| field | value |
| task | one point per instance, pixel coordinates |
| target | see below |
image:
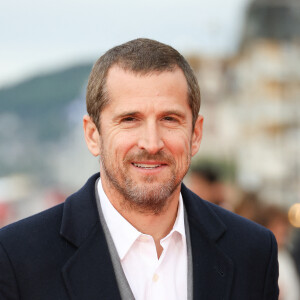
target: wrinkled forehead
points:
(137, 83)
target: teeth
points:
(144, 166)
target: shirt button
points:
(155, 278)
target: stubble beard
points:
(149, 197)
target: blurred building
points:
(251, 102)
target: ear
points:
(197, 135)
(91, 135)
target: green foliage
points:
(40, 101)
(33, 115)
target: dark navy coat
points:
(62, 253)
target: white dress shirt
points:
(149, 277)
(288, 277)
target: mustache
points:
(143, 155)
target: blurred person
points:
(250, 206)
(4, 213)
(205, 181)
(276, 219)
(134, 231)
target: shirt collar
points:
(179, 222)
(122, 232)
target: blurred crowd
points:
(208, 182)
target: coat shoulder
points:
(240, 227)
(215, 218)
(32, 230)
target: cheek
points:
(180, 148)
(120, 144)
(179, 140)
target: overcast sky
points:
(38, 35)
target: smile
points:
(147, 166)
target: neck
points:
(158, 225)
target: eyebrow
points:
(127, 114)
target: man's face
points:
(146, 137)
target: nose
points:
(150, 138)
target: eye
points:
(170, 119)
(128, 119)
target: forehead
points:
(127, 85)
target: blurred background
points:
(246, 54)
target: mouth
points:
(148, 166)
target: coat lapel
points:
(89, 273)
(212, 268)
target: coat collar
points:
(212, 268)
(201, 215)
(89, 274)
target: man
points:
(136, 232)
